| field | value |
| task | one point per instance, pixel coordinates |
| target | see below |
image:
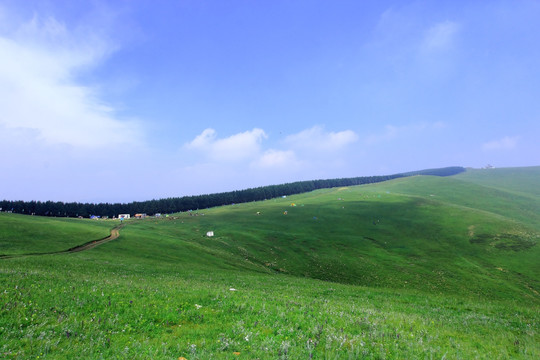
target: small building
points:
(140, 216)
(124, 216)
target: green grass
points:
(118, 312)
(384, 271)
(522, 180)
(22, 234)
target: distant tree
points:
(177, 204)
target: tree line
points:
(185, 203)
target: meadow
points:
(420, 268)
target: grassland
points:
(35, 234)
(523, 180)
(421, 267)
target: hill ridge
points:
(177, 204)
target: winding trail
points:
(115, 233)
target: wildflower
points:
(236, 353)
(232, 289)
(198, 306)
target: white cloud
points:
(506, 143)
(316, 138)
(246, 150)
(240, 146)
(276, 158)
(203, 140)
(39, 91)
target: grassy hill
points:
(522, 180)
(418, 267)
(20, 234)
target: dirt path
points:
(115, 233)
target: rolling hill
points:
(414, 267)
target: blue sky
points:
(115, 101)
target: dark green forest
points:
(185, 203)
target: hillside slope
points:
(421, 267)
(425, 233)
(24, 234)
(522, 180)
